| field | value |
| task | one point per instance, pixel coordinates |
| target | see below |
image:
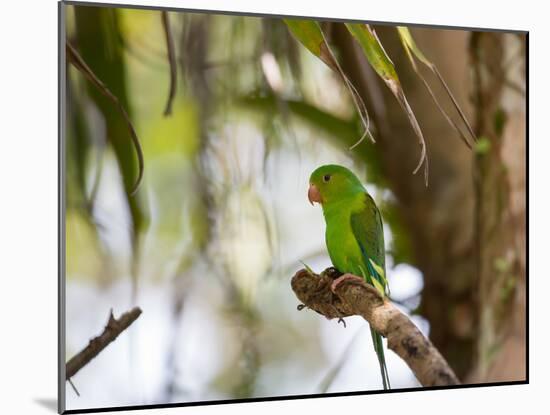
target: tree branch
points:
(113, 328)
(351, 298)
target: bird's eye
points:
(326, 178)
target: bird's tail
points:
(379, 349)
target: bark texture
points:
(500, 180)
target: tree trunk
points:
(500, 174)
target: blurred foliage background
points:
(208, 243)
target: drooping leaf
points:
(100, 57)
(310, 34)
(375, 53)
(76, 60)
(410, 46)
(413, 51)
(383, 66)
(105, 70)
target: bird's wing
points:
(366, 225)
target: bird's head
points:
(331, 183)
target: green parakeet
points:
(354, 235)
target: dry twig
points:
(113, 328)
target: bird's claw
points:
(331, 273)
(341, 320)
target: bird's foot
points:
(301, 307)
(345, 277)
(341, 320)
(332, 273)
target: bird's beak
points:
(313, 194)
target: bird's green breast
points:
(342, 246)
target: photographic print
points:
(262, 207)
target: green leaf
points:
(102, 69)
(375, 53)
(100, 52)
(383, 66)
(413, 51)
(308, 33)
(410, 46)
